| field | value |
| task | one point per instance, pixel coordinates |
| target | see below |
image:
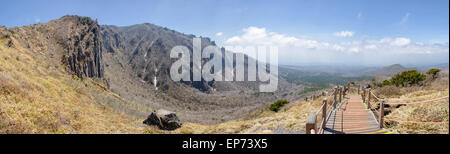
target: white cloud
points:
(259, 36)
(345, 33)
(299, 49)
(354, 49)
(401, 41)
(254, 33)
(385, 40)
(338, 47)
(219, 34)
(370, 46)
(234, 39)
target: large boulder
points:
(164, 119)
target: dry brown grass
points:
(387, 91)
(411, 118)
(40, 97)
(292, 119)
(426, 112)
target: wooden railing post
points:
(381, 113)
(335, 98)
(345, 90)
(360, 93)
(340, 95)
(368, 99)
(311, 125)
(324, 113)
(363, 95)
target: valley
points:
(73, 75)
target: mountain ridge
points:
(144, 56)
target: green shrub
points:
(86, 20)
(6, 36)
(407, 77)
(385, 83)
(277, 105)
(433, 72)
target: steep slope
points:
(72, 40)
(37, 92)
(137, 56)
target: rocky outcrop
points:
(73, 40)
(163, 119)
(10, 43)
(80, 36)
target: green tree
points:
(385, 83)
(407, 77)
(277, 105)
(433, 72)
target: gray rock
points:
(80, 36)
(164, 119)
(10, 43)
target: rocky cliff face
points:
(80, 36)
(73, 40)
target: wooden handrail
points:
(367, 102)
(368, 99)
(374, 96)
(335, 96)
(311, 123)
(324, 114)
(380, 117)
(383, 102)
(320, 109)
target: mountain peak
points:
(396, 66)
(79, 19)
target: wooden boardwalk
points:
(352, 117)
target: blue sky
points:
(316, 30)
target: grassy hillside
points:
(416, 118)
(39, 96)
(405, 117)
